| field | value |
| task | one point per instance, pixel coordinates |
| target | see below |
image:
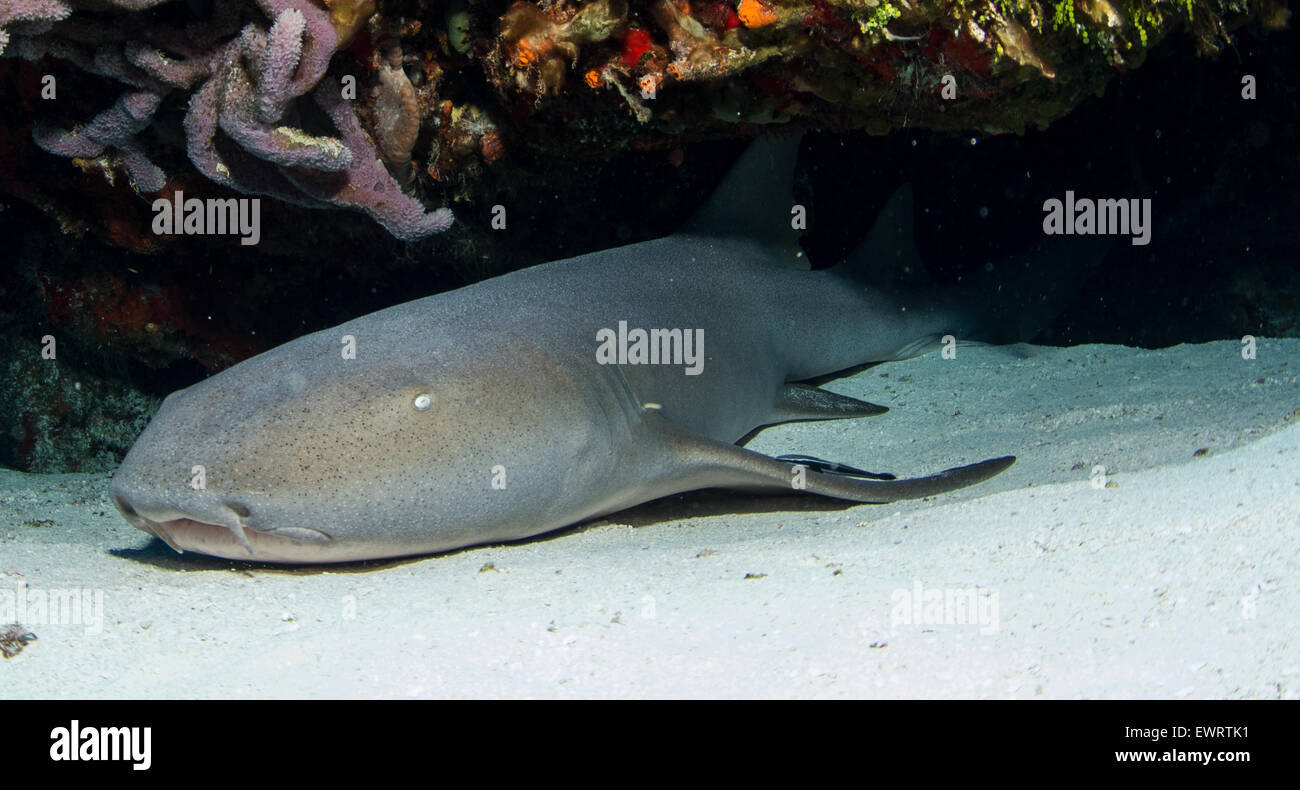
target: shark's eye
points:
(422, 402)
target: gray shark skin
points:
(483, 414)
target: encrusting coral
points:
(978, 65)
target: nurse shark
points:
(551, 395)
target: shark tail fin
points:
(1021, 296)
(1009, 302)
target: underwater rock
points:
(624, 74)
(55, 417)
(696, 69)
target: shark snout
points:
(200, 506)
(209, 523)
(151, 513)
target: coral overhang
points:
(364, 104)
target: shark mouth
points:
(235, 540)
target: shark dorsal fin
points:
(888, 255)
(755, 201)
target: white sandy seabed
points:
(1172, 573)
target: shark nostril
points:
(240, 509)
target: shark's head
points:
(303, 455)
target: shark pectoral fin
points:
(805, 402)
(713, 464)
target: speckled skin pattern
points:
(308, 456)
